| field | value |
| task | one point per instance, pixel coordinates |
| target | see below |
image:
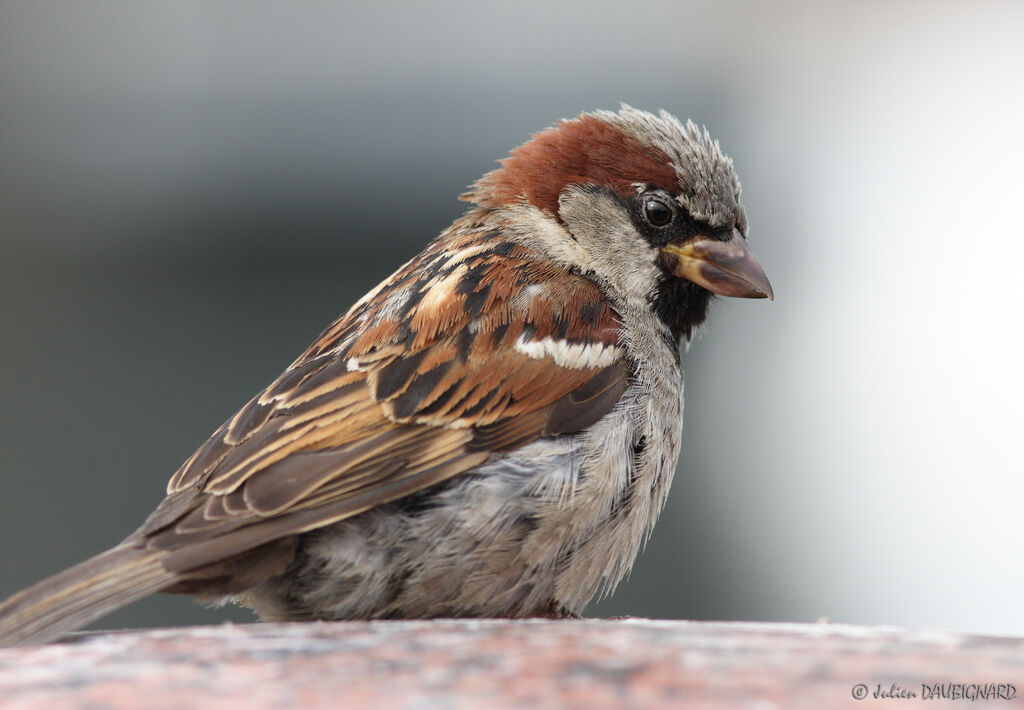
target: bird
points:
(490, 432)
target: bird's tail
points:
(83, 593)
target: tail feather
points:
(81, 594)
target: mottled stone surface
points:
(515, 664)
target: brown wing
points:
(468, 351)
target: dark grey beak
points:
(726, 268)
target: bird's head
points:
(644, 204)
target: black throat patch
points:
(680, 305)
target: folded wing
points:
(472, 349)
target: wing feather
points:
(425, 381)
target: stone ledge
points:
(453, 664)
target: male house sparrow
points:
(491, 431)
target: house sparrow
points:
(491, 431)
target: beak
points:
(726, 268)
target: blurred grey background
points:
(190, 191)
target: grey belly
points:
(541, 528)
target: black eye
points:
(657, 212)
